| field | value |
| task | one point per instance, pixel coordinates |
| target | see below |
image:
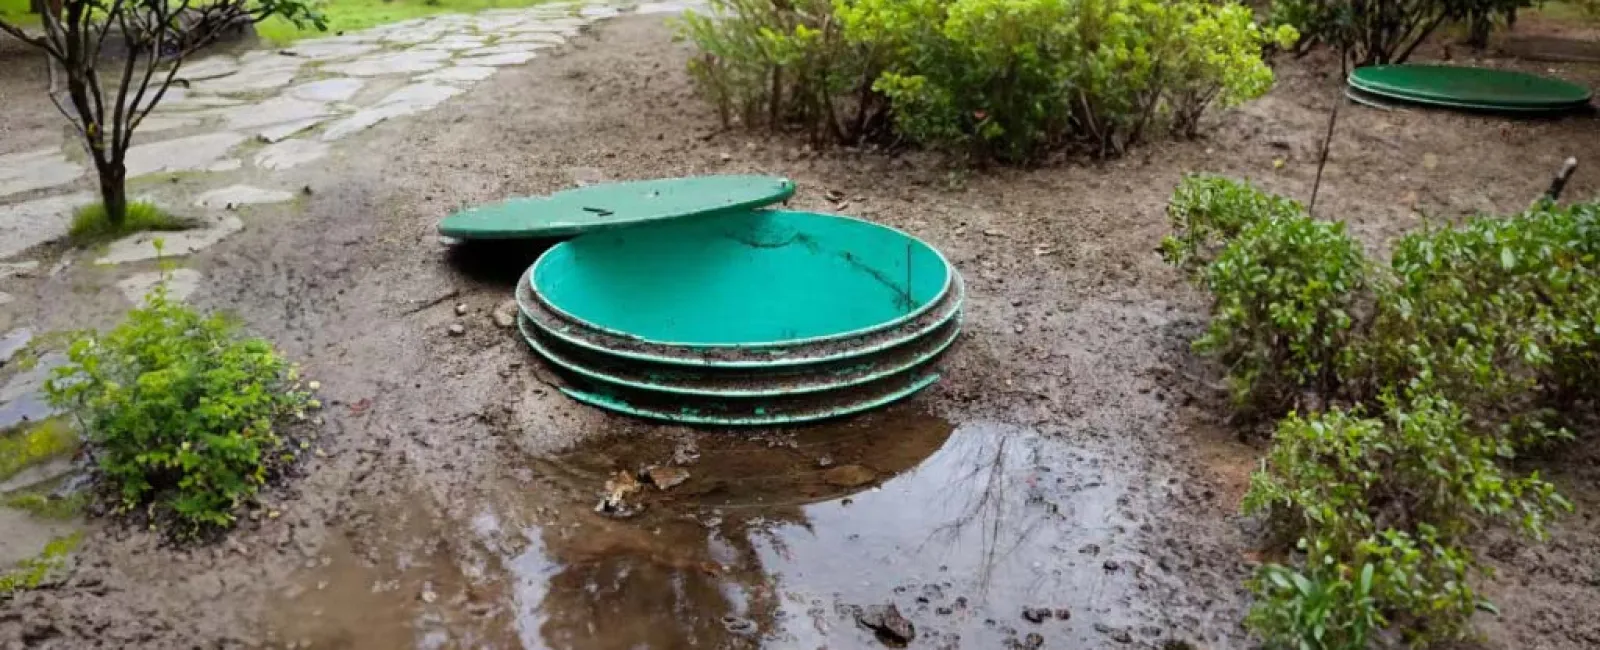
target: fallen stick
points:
(1559, 183)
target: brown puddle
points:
(771, 541)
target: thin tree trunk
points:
(114, 190)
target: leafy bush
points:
(1374, 32)
(1485, 329)
(1010, 79)
(785, 63)
(1383, 509)
(1498, 311)
(179, 410)
(1285, 290)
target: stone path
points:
(271, 110)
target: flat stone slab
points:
(181, 283)
(158, 123)
(459, 74)
(193, 153)
(414, 98)
(329, 51)
(247, 81)
(31, 223)
(328, 90)
(549, 38)
(226, 165)
(141, 246)
(453, 44)
(523, 47)
(36, 170)
(408, 62)
(290, 153)
(277, 110)
(193, 102)
(281, 132)
(233, 196)
(498, 59)
(208, 68)
(26, 536)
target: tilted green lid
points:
(613, 205)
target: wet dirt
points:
(1077, 457)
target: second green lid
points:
(614, 205)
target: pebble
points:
(505, 314)
(457, 329)
(1111, 565)
(849, 476)
(1035, 615)
(1033, 640)
(461, 310)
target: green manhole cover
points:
(1470, 88)
(612, 205)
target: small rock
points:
(886, 621)
(505, 314)
(457, 329)
(1033, 640)
(1035, 615)
(1063, 614)
(739, 626)
(726, 157)
(849, 476)
(666, 478)
(1150, 631)
(461, 309)
(825, 462)
(1111, 565)
(428, 595)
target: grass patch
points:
(90, 224)
(351, 15)
(16, 13)
(31, 573)
(34, 444)
(45, 506)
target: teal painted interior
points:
(615, 205)
(751, 278)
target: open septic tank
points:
(683, 300)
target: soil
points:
(1076, 459)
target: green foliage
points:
(91, 224)
(785, 64)
(33, 444)
(1373, 32)
(1485, 329)
(179, 410)
(1285, 289)
(1208, 211)
(1008, 79)
(1498, 311)
(1383, 510)
(32, 572)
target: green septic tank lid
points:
(1473, 88)
(612, 205)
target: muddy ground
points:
(1076, 461)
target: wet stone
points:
(328, 90)
(505, 314)
(193, 153)
(740, 626)
(13, 342)
(891, 627)
(290, 153)
(848, 476)
(1035, 615)
(234, 196)
(141, 246)
(181, 283)
(457, 329)
(407, 62)
(517, 58)
(35, 222)
(273, 111)
(459, 74)
(35, 170)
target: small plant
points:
(1286, 290)
(1207, 212)
(92, 224)
(31, 573)
(35, 443)
(179, 412)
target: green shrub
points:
(179, 411)
(1285, 291)
(1383, 510)
(1498, 311)
(1373, 32)
(1009, 79)
(785, 64)
(1208, 211)
(91, 224)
